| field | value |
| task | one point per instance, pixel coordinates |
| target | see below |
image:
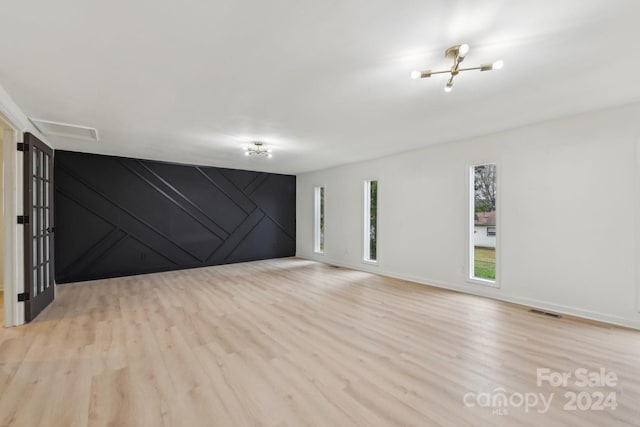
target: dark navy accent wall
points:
(117, 216)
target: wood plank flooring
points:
(293, 343)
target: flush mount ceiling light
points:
(257, 149)
(457, 53)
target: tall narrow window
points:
(318, 226)
(371, 221)
(483, 226)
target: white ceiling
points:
(323, 83)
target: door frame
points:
(13, 279)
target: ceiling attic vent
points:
(65, 130)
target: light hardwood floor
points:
(295, 343)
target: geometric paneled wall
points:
(117, 216)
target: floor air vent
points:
(47, 127)
(545, 313)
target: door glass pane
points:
(40, 163)
(38, 258)
(41, 284)
(43, 279)
(34, 288)
(34, 252)
(34, 195)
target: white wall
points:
(582, 172)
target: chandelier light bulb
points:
(269, 155)
(246, 153)
(463, 50)
(498, 65)
(449, 87)
(415, 75)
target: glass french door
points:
(38, 229)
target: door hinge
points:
(23, 297)
(23, 219)
(22, 146)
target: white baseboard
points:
(489, 292)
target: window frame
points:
(366, 249)
(471, 225)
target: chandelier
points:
(457, 53)
(258, 150)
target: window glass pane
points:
(321, 219)
(318, 219)
(484, 215)
(371, 220)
